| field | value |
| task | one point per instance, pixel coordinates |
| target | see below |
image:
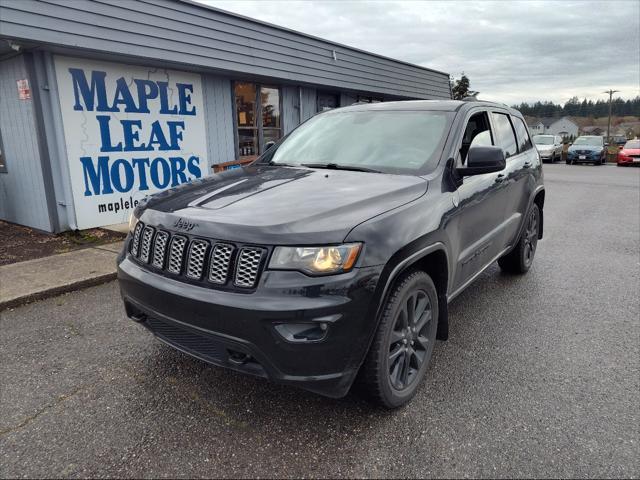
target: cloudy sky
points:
(511, 51)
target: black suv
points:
(334, 255)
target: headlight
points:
(316, 260)
(133, 221)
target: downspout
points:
(61, 151)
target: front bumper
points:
(587, 157)
(238, 330)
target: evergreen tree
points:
(460, 88)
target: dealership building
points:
(103, 102)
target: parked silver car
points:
(549, 147)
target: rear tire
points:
(399, 355)
(519, 259)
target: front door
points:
(477, 224)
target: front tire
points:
(399, 355)
(519, 259)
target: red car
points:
(630, 154)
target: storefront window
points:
(258, 117)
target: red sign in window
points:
(24, 92)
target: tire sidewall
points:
(420, 281)
(534, 210)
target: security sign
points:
(129, 132)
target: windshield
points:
(595, 141)
(543, 140)
(385, 141)
(632, 145)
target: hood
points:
(263, 204)
(585, 148)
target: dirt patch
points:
(18, 243)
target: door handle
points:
(526, 165)
(500, 178)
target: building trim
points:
(45, 160)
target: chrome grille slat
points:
(197, 254)
(160, 249)
(135, 244)
(145, 243)
(176, 254)
(220, 261)
(248, 267)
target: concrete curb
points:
(32, 280)
(55, 291)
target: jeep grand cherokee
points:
(333, 257)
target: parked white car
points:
(549, 147)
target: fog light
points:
(302, 332)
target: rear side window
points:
(505, 138)
(524, 142)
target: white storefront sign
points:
(130, 131)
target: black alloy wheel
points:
(403, 343)
(520, 258)
(530, 237)
(410, 340)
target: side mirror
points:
(268, 145)
(483, 160)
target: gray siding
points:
(309, 103)
(290, 108)
(22, 194)
(219, 120)
(183, 32)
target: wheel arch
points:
(538, 199)
(433, 260)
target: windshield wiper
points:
(335, 166)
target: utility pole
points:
(610, 92)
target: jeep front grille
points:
(160, 249)
(135, 244)
(176, 254)
(248, 266)
(220, 261)
(197, 254)
(145, 244)
(221, 264)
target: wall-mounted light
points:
(15, 46)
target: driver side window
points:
(477, 133)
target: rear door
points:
(522, 159)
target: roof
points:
(200, 37)
(426, 105)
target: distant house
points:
(564, 127)
(594, 130)
(536, 127)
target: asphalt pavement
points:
(540, 377)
